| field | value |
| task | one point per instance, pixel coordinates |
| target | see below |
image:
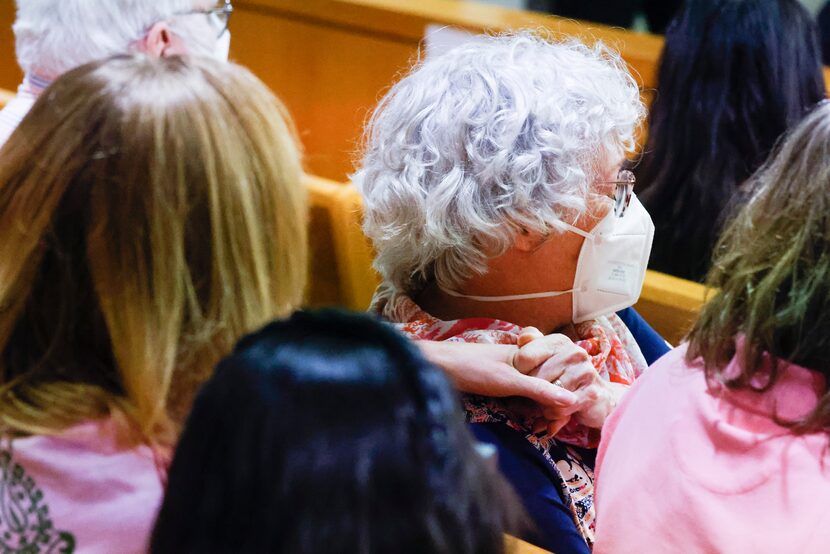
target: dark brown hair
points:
(734, 76)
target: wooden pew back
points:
(10, 73)
(516, 546)
(670, 304)
(330, 61)
(340, 271)
(342, 267)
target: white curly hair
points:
(496, 135)
(52, 37)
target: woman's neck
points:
(546, 314)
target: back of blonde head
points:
(150, 213)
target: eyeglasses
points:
(622, 194)
(219, 17)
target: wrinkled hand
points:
(556, 359)
(486, 369)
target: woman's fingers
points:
(568, 368)
(577, 376)
(551, 397)
(596, 409)
(555, 425)
(529, 334)
(560, 376)
(536, 352)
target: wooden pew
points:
(10, 74)
(323, 285)
(670, 304)
(331, 60)
(342, 265)
(340, 268)
(516, 546)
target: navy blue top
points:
(535, 481)
(537, 486)
(651, 344)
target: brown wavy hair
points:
(151, 213)
(772, 269)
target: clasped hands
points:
(526, 375)
(561, 383)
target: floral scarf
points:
(614, 354)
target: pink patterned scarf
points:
(614, 354)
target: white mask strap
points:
(576, 230)
(530, 296)
(568, 227)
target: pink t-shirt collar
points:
(796, 393)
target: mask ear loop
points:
(590, 234)
(507, 298)
(568, 227)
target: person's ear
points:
(158, 40)
(528, 241)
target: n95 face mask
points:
(611, 267)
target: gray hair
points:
(496, 135)
(53, 37)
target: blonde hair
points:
(151, 212)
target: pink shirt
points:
(17, 108)
(77, 492)
(682, 468)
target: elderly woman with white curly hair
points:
(495, 199)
